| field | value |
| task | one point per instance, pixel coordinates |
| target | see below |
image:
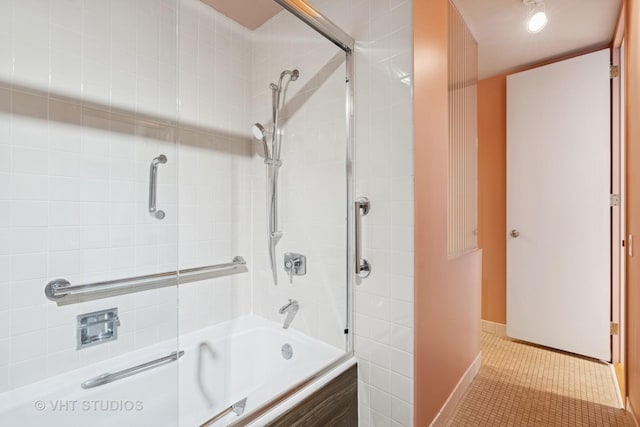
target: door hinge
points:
(614, 200)
(614, 71)
(614, 328)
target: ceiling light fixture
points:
(536, 15)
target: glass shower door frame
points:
(316, 20)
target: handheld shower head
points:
(260, 133)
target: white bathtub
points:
(220, 366)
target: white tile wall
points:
(214, 75)
(89, 94)
(312, 190)
(384, 173)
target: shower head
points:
(294, 74)
(260, 133)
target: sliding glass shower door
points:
(88, 131)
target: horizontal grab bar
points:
(237, 408)
(61, 290)
(109, 377)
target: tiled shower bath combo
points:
(164, 263)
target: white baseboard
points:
(632, 412)
(494, 328)
(448, 410)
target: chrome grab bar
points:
(60, 289)
(109, 377)
(362, 208)
(237, 408)
(153, 184)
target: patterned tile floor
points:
(521, 384)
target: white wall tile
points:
(5, 213)
(384, 172)
(401, 363)
(401, 412)
(29, 161)
(402, 387)
(5, 352)
(29, 319)
(26, 371)
(26, 293)
(381, 402)
(5, 326)
(60, 213)
(28, 213)
(26, 240)
(29, 266)
(27, 346)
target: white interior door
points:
(558, 184)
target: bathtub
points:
(221, 365)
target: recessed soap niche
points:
(97, 327)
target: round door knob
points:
(514, 233)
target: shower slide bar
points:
(62, 291)
(109, 377)
(237, 408)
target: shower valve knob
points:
(295, 265)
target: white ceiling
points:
(504, 43)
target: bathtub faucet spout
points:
(291, 308)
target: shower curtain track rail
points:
(63, 292)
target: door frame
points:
(617, 212)
(618, 150)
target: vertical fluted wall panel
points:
(463, 183)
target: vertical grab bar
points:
(362, 208)
(153, 184)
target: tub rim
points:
(290, 392)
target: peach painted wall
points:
(632, 52)
(447, 291)
(492, 195)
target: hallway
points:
(526, 385)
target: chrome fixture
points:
(295, 265)
(362, 208)
(316, 20)
(287, 351)
(260, 133)
(153, 184)
(97, 328)
(273, 162)
(291, 308)
(237, 408)
(62, 291)
(109, 377)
